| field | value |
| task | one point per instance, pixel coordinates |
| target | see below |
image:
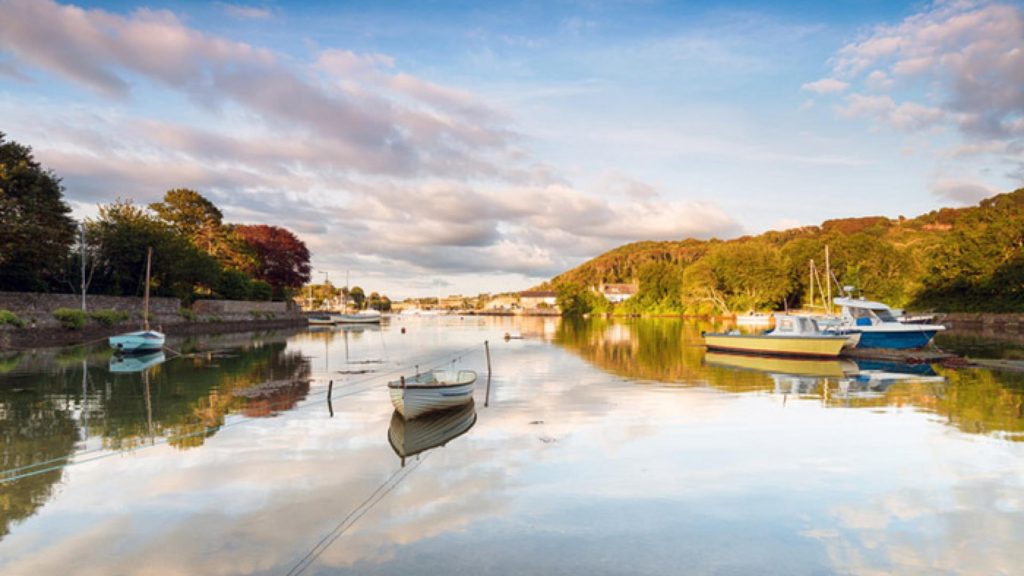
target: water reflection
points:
(57, 403)
(136, 363)
(576, 467)
(411, 437)
(668, 351)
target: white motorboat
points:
(879, 327)
(146, 340)
(431, 391)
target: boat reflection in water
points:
(803, 376)
(411, 437)
(137, 363)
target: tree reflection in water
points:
(975, 400)
(52, 402)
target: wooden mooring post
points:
(330, 391)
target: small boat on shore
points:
(879, 327)
(432, 391)
(792, 336)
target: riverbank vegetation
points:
(953, 259)
(195, 253)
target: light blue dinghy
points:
(143, 341)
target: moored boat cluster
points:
(861, 324)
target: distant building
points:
(616, 293)
(502, 302)
(456, 302)
(532, 299)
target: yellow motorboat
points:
(793, 336)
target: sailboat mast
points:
(828, 280)
(145, 300)
(810, 304)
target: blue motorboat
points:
(879, 326)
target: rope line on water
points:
(349, 520)
(360, 385)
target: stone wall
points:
(37, 308)
(243, 307)
(977, 321)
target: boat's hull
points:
(142, 342)
(416, 401)
(356, 318)
(795, 346)
(818, 367)
(916, 337)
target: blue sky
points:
(466, 147)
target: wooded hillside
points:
(953, 259)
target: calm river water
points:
(602, 447)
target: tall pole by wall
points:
(81, 238)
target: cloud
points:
(953, 63)
(826, 86)
(409, 177)
(244, 12)
(967, 57)
(961, 191)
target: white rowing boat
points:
(431, 391)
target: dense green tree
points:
(660, 290)
(37, 231)
(194, 216)
(575, 300)
(121, 235)
(358, 297)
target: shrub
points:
(234, 285)
(109, 317)
(70, 318)
(8, 317)
(260, 290)
(188, 314)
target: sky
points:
(431, 148)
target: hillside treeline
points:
(195, 253)
(963, 259)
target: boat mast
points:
(810, 304)
(145, 300)
(828, 280)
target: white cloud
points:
(826, 86)
(411, 176)
(962, 191)
(244, 12)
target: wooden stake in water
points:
(330, 390)
(487, 349)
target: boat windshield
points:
(885, 316)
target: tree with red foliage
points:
(281, 259)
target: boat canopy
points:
(866, 312)
(786, 325)
(859, 303)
